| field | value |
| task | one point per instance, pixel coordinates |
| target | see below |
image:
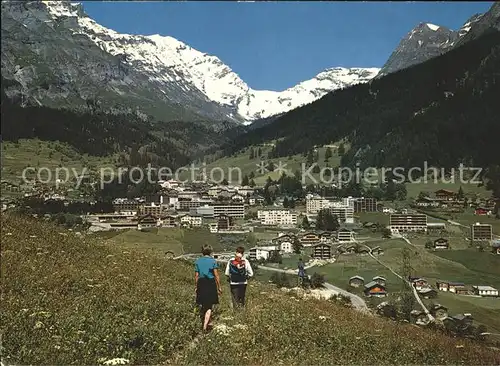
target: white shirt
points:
(248, 267)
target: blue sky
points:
(275, 45)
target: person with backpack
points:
(302, 271)
(238, 270)
(207, 285)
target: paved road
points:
(357, 302)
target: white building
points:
(344, 236)
(236, 210)
(258, 253)
(343, 209)
(485, 291)
(277, 217)
(191, 220)
(286, 247)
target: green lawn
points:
(414, 189)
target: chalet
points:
(322, 251)
(363, 251)
(495, 246)
(356, 281)
(380, 280)
(377, 250)
(427, 293)
(419, 317)
(168, 221)
(283, 237)
(350, 249)
(237, 198)
(309, 239)
(461, 321)
(224, 222)
(426, 202)
(441, 243)
(438, 311)
(375, 289)
(445, 195)
(449, 286)
(419, 283)
(286, 247)
(147, 221)
(485, 291)
(480, 211)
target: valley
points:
(366, 175)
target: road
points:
(357, 302)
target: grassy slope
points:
(73, 300)
(36, 153)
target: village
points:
(362, 230)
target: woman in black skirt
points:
(208, 286)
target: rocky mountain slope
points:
(428, 40)
(62, 56)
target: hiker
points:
(207, 285)
(302, 271)
(238, 270)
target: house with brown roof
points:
(356, 281)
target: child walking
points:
(238, 269)
(207, 285)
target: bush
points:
(317, 280)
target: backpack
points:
(237, 270)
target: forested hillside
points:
(99, 133)
(444, 111)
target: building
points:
(205, 211)
(322, 251)
(427, 293)
(408, 222)
(445, 195)
(236, 210)
(380, 280)
(309, 239)
(125, 205)
(481, 232)
(427, 202)
(224, 222)
(191, 220)
(147, 221)
(439, 311)
(277, 217)
(168, 221)
(356, 281)
(455, 287)
(344, 235)
(375, 289)
(286, 247)
(151, 209)
(480, 211)
(486, 291)
(365, 205)
(441, 243)
(343, 213)
(495, 246)
(264, 253)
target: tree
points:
(317, 280)
(251, 183)
(310, 158)
(275, 257)
(341, 150)
(259, 152)
(297, 246)
(270, 166)
(316, 169)
(252, 175)
(285, 202)
(407, 297)
(252, 154)
(328, 153)
(429, 244)
(225, 182)
(245, 181)
(460, 194)
(305, 223)
(326, 221)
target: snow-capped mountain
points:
(150, 67)
(424, 42)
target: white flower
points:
(117, 361)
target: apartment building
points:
(277, 217)
(365, 205)
(481, 232)
(125, 205)
(151, 209)
(408, 222)
(236, 210)
(343, 213)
